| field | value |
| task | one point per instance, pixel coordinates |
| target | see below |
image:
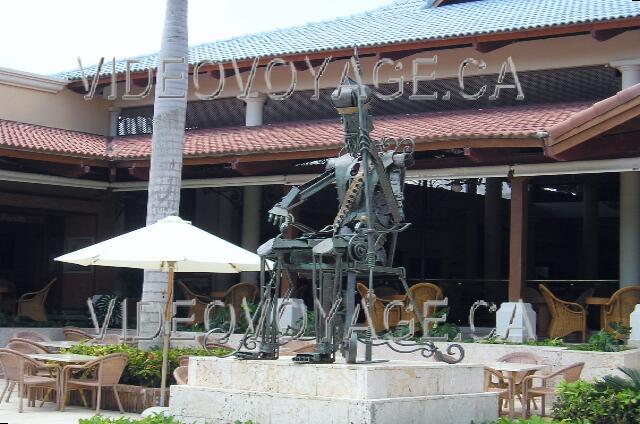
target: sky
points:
(46, 37)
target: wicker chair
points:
(183, 361)
(494, 382)
(31, 305)
(621, 305)
(33, 336)
(566, 317)
(108, 370)
(201, 302)
(236, 293)
(569, 374)
(21, 370)
(110, 339)
(422, 292)
(522, 357)
(181, 374)
(75, 334)
(27, 347)
(377, 310)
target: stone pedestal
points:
(517, 326)
(634, 338)
(222, 390)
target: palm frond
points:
(618, 383)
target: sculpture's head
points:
(345, 99)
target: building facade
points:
(524, 116)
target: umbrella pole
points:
(167, 333)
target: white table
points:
(59, 344)
(510, 370)
(63, 358)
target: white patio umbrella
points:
(170, 245)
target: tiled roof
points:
(401, 22)
(598, 109)
(36, 138)
(516, 122)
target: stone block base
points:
(200, 405)
(282, 392)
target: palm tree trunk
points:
(165, 174)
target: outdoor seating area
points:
(372, 212)
(32, 361)
(512, 378)
(525, 383)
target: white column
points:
(634, 319)
(254, 109)
(251, 216)
(630, 70)
(629, 197)
(251, 199)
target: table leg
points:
(512, 392)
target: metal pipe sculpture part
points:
(359, 244)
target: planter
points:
(134, 399)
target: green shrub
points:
(556, 342)
(533, 420)
(602, 341)
(151, 419)
(446, 329)
(610, 401)
(144, 367)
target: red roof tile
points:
(600, 108)
(31, 137)
(515, 122)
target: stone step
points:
(383, 380)
(199, 405)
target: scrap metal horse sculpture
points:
(360, 243)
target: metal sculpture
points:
(360, 243)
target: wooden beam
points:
(426, 144)
(607, 34)
(593, 128)
(139, 172)
(50, 203)
(518, 237)
(603, 147)
(400, 54)
(50, 157)
(490, 156)
(247, 169)
(489, 46)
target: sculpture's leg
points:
(352, 344)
